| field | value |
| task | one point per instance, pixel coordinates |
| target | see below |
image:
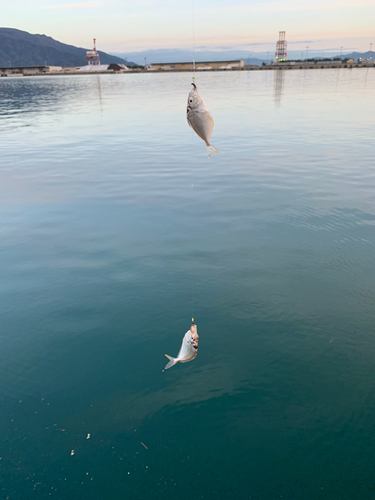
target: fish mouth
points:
(193, 84)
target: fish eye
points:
(191, 100)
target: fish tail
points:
(172, 362)
(211, 149)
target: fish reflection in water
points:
(189, 348)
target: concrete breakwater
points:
(267, 67)
(9, 72)
(287, 66)
(271, 67)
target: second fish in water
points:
(189, 348)
(199, 118)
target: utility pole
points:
(341, 52)
(307, 53)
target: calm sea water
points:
(116, 229)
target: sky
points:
(123, 26)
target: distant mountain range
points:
(256, 58)
(357, 55)
(153, 56)
(184, 55)
(19, 48)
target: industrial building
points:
(199, 66)
(28, 70)
(93, 64)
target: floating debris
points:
(72, 453)
(144, 446)
(88, 436)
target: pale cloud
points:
(79, 5)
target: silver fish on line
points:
(189, 348)
(199, 118)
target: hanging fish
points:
(199, 118)
(189, 348)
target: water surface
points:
(116, 229)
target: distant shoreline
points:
(271, 67)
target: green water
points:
(116, 229)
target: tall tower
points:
(280, 54)
(92, 56)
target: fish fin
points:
(211, 149)
(172, 362)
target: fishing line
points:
(193, 40)
(192, 224)
(192, 152)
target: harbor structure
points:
(281, 45)
(29, 70)
(92, 56)
(199, 66)
(102, 68)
